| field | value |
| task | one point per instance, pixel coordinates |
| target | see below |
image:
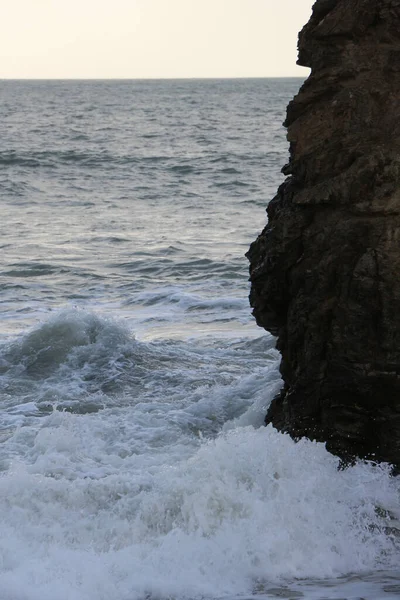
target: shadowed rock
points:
(325, 271)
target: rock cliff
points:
(325, 272)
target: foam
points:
(251, 505)
(145, 496)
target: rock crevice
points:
(325, 272)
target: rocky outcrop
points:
(325, 271)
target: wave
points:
(189, 302)
(32, 269)
(241, 516)
(231, 184)
(53, 158)
(73, 356)
(168, 267)
(87, 158)
(106, 160)
(83, 362)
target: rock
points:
(325, 272)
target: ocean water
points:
(134, 464)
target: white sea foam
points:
(80, 522)
(144, 497)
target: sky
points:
(48, 39)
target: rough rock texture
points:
(325, 271)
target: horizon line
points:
(148, 78)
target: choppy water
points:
(133, 380)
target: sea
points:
(134, 382)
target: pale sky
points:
(150, 38)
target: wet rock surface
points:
(325, 271)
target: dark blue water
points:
(133, 379)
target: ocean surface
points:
(134, 464)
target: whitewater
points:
(134, 382)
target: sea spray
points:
(251, 505)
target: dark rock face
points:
(325, 271)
